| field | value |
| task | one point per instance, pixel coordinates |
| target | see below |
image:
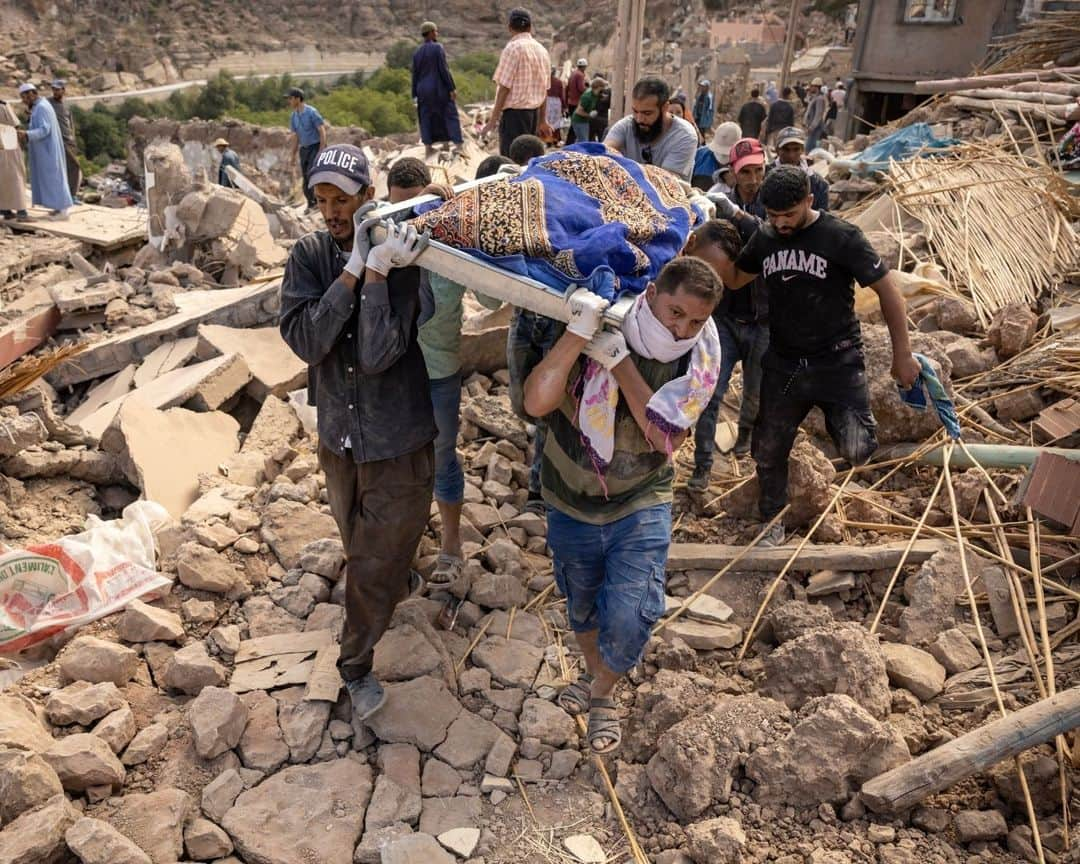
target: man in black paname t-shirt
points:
(810, 261)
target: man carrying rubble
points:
(652, 136)
(308, 137)
(618, 404)
(523, 77)
(810, 261)
(349, 310)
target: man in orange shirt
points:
(523, 77)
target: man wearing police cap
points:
(349, 310)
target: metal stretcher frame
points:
(488, 279)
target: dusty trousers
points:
(381, 509)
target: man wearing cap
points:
(791, 150)
(741, 317)
(712, 163)
(228, 158)
(575, 88)
(12, 172)
(650, 135)
(704, 106)
(810, 261)
(816, 110)
(308, 137)
(349, 310)
(67, 133)
(523, 76)
(434, 90)
(48, 168)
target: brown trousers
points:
(74, 172)
(381, 509)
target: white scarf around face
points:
(673, 408)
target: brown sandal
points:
(574, 698)
(604, 725)
(448, 569)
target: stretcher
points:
(487, 279)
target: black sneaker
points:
(367, 696)
(699, 480)
(742, 443)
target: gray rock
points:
(511, 662)
(154, 822)
(191, 669)
(217, 718)
(37, 836)
(220, 793)
(468, 740)
(416, 712)
(145, 744)
(914, 670)
(323, 557)
(87, 658)
(97, 842)
(416, 849)
(206, 570)
(82, 761)
(391, 802)
(142, 622)
(975, 825)
(117, 729)
(83, 703)
(204, 841)
(26, 781)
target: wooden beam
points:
(902, 788)
(950, 85)
(713, 556)
(789, 43)
(988, 455)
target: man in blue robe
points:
(48, 164)
(434, 90)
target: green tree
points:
(399, 55)
(216, 98)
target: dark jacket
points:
(366, 372)
(750, 303)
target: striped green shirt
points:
(638, 476)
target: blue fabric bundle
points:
(582, 215)
(929, 385)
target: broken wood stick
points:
(988, 455)
(770, 559)
(950, 85)
(902, 788)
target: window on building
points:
(929, 11)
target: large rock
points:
(547, 722)
(219, 795)
(142, 622)
(275, 424)
(931, 593)
(835, 746)
(716, 841)
(191, 669)
(204, 841)
(154, 822)
(796, 618)
(302, 722)
(117, 729)
(217, 718)
(97, 842)
(511, 662)
(262, 745)
(953, 650)
(82, 761)
(695, 759)
(147, 743)
(37, 836)
(810, 475)
(416, 849)
(914, 669)
(304, 814)
(289, 526)
(324, 557)
(88, 658)
(275, 369)
(1012, 329)
(404, 653)
(391, 802)
(468, 741)
(82, 703)
(203, 569)
(417, 712)
(20, 728)
(975, 825)
(1041, 772)
(841, 659)
(26, 781)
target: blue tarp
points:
(914, 140)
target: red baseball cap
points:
(746, 151)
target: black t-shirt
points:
(810, 276)
(781, 115)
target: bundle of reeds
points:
(1052, 37)
(997, 223)
(21, 374)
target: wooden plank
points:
(283, 643)
(950, 85)
(105, 227)
(325, 680)
(902, 788)
(713, 556)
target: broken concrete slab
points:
(165, 358)
(275, 369)
(164, 452)
(275, 424)
(249, 306)
(112, 388)
(204, 386)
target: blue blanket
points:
(583, 215)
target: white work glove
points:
(593, 113)
(584, 311)
(725, 207)
(608, 348)
(361, 242)
(402, 246)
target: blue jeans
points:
(529, 338)
(613, 577)
(745, 343)
(581, 128)
(446, 402)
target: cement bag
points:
(51, 587)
